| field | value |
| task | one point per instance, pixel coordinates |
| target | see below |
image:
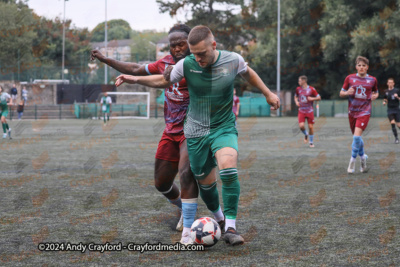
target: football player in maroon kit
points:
(304, 98)
(361, 89)
(172, 156)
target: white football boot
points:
(352, 166)
(363, 166)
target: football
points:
(205, 231)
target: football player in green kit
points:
(106, 106)
(210, 123)
(5, 101)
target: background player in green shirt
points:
(5, 101)
(106, 106)
(210, 123)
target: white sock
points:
(219, 216)
(230, 223)
(186, 231)
(352, 159)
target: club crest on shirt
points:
(303, 99)
(360, 92)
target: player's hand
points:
(274, 101)
(396, 96)
(309, 98)
(297, 104)
(384, 103)
(374, 96)
(167, 73)
(96, 54)
(350, 91)
(125, 78)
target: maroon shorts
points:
(360, 122)
(169, 146)
(302, 117)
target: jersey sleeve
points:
(314, 92)
(345, 86)
(242, 68)
(152, 68)
(385, 95)
(177, 73)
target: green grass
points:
(73, 181)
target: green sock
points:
(4, 127)
(230, 191)
(104, 118)
(209, 194)
(7, 126)
(108, 117)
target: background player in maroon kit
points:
(172, 156)
(235, 105)
(304, 98)
(361, 89)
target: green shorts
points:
(201, 150)
(105, 109)
(4, 112)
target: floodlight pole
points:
(278, 63)
(105, 45)
(63, 48)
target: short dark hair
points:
(303, 77)
(180, 28)
(198, 34)
(362, 59)
(391, 79)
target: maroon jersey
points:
(176, 97)
(360, 101)
(302, 94)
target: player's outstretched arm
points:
(155, 81)
(123, 67)
(252, 77)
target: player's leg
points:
(391, 118)
(189, 193)
(301, 119)
(361, 124)
(104, 117)
(226, 153)
(354, 147)
(3, 124)
(397, 120)
(310, 121)
(166, 168)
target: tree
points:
(117, 29)
(17, 31)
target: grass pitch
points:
(77, 181)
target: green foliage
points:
(320, 39)
(144, 45)
(117, 29)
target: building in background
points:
(162, 48)
(116, 49)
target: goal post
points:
(130, 106)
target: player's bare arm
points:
(252, 77)
(346, 93)
(317, 98)
(374, 96)
(123, 67)
(155, 81)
